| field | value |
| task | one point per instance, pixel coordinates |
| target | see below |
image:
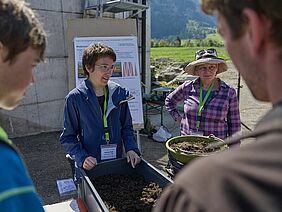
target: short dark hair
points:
(232, 11)
(20, 29)
(94, 52)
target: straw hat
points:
(206, 56)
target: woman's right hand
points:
(89, 163)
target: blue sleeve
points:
(127, 132)
(17, 192)
(71, 132)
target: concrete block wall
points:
(41, 110)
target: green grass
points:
(215, 37)
(183, 53)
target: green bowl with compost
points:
(188, 147)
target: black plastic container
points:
(173, 166)
(90, 195)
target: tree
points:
(178, 41)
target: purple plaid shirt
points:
(220, 116)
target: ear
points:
(1, 48)
(256, 30)
(89, 69)
(2, 51)
(196, 72)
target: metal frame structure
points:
(114, 6)
(239, 86)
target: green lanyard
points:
(4, 137)
(106, 130)
(202, 102)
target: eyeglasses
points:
(211, 52)
(105, 68)
(207, 67)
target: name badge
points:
(195, 132)
(108, 151)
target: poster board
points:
(126, 72)
(104, 29)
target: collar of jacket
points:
(196, 84)
(116, 93)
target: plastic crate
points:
(90, 195)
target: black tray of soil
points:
(116, 186)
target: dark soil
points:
(127, 192)
(195, 147)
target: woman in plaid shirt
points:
(210, 105)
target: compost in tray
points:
(127, 192)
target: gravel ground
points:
(46, 162)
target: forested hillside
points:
(183, 18)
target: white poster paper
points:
(126, 72)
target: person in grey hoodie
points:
(247, 178)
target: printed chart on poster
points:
(126, 69)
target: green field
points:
(183, 53)
(215, 37)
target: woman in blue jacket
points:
(97, 120)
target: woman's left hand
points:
(133, 158)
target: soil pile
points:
(127, 192)
(195, 147)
